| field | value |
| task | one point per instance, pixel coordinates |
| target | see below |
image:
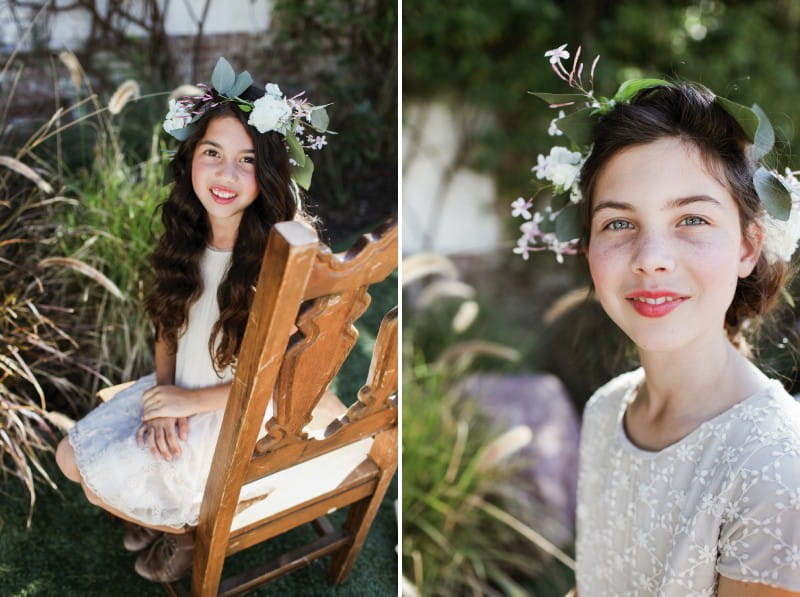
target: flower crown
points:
(558, 227)
(272, 112)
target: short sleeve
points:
(760, 536)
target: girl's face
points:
(666, 247)
(223, 171)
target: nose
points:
(226, 169)
(653, 253)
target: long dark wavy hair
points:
(689, 112)
(176, 258)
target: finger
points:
(183, 427)
(161, 441)
(172, 441)
(151, 441)
(140, 435)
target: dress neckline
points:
(629, 395)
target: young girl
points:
(689, 480)
(145, 455)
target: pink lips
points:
(230, 195)
(655, 303)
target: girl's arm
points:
(172, 401)
(165, 363)
(738, 588)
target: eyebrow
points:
(218, 146)
(671, 204)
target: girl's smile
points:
(666, 248)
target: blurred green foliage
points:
(492, 54)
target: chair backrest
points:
(299, 333)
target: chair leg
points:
(361, 514)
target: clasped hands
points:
(165, 420)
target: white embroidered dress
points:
(130, 478)
(723, 500)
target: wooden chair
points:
(314, 455)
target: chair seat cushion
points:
(284, 489)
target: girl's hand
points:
(167, 401)
(160, 436)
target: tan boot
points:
(138, 537)
(168, 559)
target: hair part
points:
(690, 113)
(178, 252)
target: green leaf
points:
(183, 133)
(568, 223)
(774, 195)
(578, 126)
(559, 201)
(296, 150)
(633, 86)
(242, 82)
(746, 117)
(320, 119)
(223, 77)
(245, 107)
(547, 225)
(560, 98)
(765, 135)
(302, 174)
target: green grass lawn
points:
(74, 548)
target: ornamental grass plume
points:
(126, 92)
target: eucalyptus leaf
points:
(302, 174)
(559, 201)
(765, 135)
(560, 98)
(242, 82)
(745, 116)
(630, 88)
(568, 223)
(296, 150)
(774, 195)
(578, 126)
(320, 119)
(183, 133)
(547, 225)
(223, 77)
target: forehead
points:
(228, 132)
(657, 172)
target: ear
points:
(752, 241)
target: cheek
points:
(604, 263)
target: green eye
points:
(693, 221)
(619, 225)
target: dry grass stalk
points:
(74, 67)
(26, 171)
(416, 267)
(185, 91)
(503, 447)
(128, 91)
(86, 270)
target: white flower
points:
(781, 238)
(319, 142)
(553, 130)
(541, 166)
(557, 54)
(563, 167)
(177, 117)
(273, 90)
(520, 207)
(271, 113)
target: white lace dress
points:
(130, 478)
(723, 500)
